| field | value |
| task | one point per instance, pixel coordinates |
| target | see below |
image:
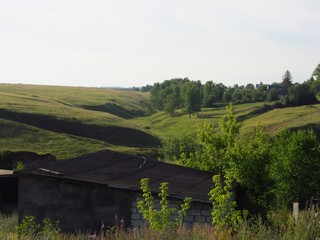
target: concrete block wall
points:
(199, 212)
(77, 205)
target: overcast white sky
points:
(137, 42)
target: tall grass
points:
(280, 225)
(8, 225)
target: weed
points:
(163, 218)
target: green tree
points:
(215, 147)
(272, 95)
(295, 166)
(227, 95)
(286, 80)
(172, 100)
(315, 86)
(174, 147)
(314, 81)
(299, 94)
(216, 155)
(191, 95)
(237, 95)
(224, 213)
(316, 72)
(251, 155)
(157, 96)
(249, 86)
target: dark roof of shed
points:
(125, 171)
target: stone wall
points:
(198, 213)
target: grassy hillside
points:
(294, 117)
(60, 116)
(20, 137)
(163, 125)
(71, 121)
(131, 102)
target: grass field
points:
(163, 125)
(71, 121)
(278, 119)
(59, 120)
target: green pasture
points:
(20, 137)
(54, 101)
(278, 119)
(71, 121)
(79, 96)
(163, 125)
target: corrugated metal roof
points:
(125, 171)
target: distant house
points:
(105, 186)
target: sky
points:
(128, 43)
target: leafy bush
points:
(29, 229)
(163, 218)
(173, 147)
(224, 213)
(295, 167)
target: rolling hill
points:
(71, 121)
(56, 115)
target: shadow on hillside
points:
(115, 110)
(263, 109)
(114, 135)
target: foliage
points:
(213, 93)
(191, 95)
(279, 225)
(272, 95)
(50, 229)
(251, 154)
(299, 94)
(19, 166)
(167, 95)
(173, 147)
(8, 224)
(286, 80)
(163, 218)
(295, 166)
(224, 213)
(215, 148)
(29, 228)
(316, 72)
(216, 155)
(179, 93)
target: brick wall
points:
(198, 213)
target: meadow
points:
(59, 120)
(71, 121)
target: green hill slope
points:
(20, 137)
(294, 117)
(64, 110)
(70, 121)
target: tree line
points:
(191, 96)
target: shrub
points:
(163, 218)
(29, 229)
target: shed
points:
(105, 186)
